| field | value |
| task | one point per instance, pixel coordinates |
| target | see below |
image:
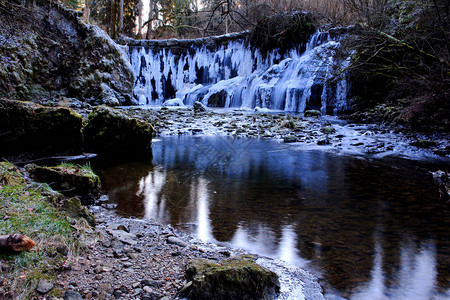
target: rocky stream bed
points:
(128, 258)
(308, 130)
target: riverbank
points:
(314, 130)
(118, 258)
(141, 259)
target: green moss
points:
(69, 179)
(328, 129)
(26, 208)
(313, 113)
(234, 278)
(111, 133)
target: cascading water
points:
(235, 74)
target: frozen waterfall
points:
(235, 74)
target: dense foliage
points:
(403, 63)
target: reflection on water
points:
(367, 229)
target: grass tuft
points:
(26, 208)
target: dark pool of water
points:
(369, 229)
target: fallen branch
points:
(15, 242)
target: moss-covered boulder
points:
(47, 52)
(74, 209)
(110, 133)
(69, 180)
(235, 278)
(313, 113)
(28, 127)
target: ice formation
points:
(235, 74)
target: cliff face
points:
(48, 54)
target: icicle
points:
(237, 75)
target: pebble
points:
(72, 295)
(44, 286)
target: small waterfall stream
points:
(235, 74)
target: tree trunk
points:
(87, 12)
(121, 16)
(150, 18)
(15, 242)
(140, 8)
(113, 19)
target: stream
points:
(367, 228)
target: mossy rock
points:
(235, 278)
(28, 127)
(69, 180)
(76, 210)
(313, 113)
(113, 134)
(290, 139)
(328, 129)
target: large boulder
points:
(235, 278)
(48, 52)
(110, 133)
(68, 179)
(28, 127)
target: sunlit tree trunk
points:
(87, 12)
(150, 18)
(140, 8)
(113, 19)
(121, 16)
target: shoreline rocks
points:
(28, 127)
(113, 134)
(234, 278)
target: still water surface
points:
(369, 229)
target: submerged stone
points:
(111, 133)
(235, 278)
(28, 127)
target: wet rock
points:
(25, 126)
(328, 129)
(234, 278)
(290, 139)
(442, 180)
(113, 134)
(176, 241)
(199, 107)
(72, 295)
(312, 113)
(324, 142)
(44, 286)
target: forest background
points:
(402, 59)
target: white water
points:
(238, 75)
